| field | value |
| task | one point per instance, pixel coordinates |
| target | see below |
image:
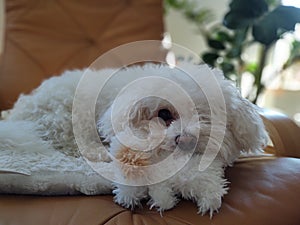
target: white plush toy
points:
(168, 133)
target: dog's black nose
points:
(186, 141)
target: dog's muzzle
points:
(186, 141)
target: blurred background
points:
(256, 44)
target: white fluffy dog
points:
(158, 129)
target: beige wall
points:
(186, 34)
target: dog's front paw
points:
(207, 194)
(162, 204)
(209, 205)
(129, 197)
(162, 198)
(210, 200)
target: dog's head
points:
(165, 109)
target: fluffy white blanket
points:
(26, 170)
(31, 173)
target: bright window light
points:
(295, 3)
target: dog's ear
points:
(243, 118)
(246, 124)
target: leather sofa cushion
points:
(262, 191)
(44, 38)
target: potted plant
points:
(260, 22)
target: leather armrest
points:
(283, 132)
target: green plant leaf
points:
(227, 67)
(273, 3)
(237, 43)
(210, 58)
(283, 18)
(251, 67)
(177, 4)
(215, 44)
(234, 52)
(237, 20)
(240, 36)
(249, 8)
(294, 54)
(243, 13)
(200, 16)
(223, 36)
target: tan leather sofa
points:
(43, 38)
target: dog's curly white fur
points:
(49, 110)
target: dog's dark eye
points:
(166, 115)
